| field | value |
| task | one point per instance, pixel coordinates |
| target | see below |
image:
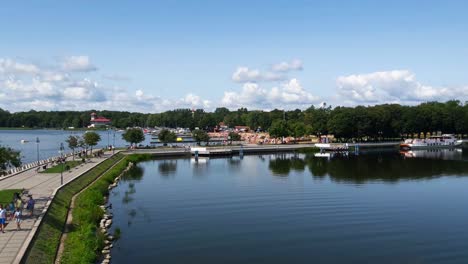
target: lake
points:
(50, 140)
(376, 207)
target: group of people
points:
(14, 211)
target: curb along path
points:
(42, 186)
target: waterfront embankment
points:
(45, 188)
(256, 149)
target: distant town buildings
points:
(98, 121)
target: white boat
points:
(24, 141)
(444, 141)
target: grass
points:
(6, 196)
(47, 239)
(58, 168)
(84, 241)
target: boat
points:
(444, 141)
(24, 141)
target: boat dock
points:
(250, 149)
(354, 146)
(210, 151)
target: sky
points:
(153, 56)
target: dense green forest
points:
(375, 122)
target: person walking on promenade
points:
(19, 204)
(30, 205)
(2, 218)
(18, 219)
(11, 209)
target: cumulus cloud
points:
(78, 64)
(9, 66)
(294, 65)
(290, 94)
(25, 86)
(398, 86)
(244, 74)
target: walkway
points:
(41, 186)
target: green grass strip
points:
(6, 196)
(59, 167)
(85, 241)
(47, 240)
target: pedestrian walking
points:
(30, 205)
(18, 219)
(2, 218)
(19, 204)
(11, 209)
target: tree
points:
(200, 136)
(297, 130)
(233, 136)
(72, 144)
(279, 128)
(9, 157)
(91, 139)
(133, 136)
(166, 136)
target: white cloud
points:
(78, 64)
(25, 86)
(193, 101)
(399, 86)
(291, 94)
(294, 65)
(9, 66)
(244, 74)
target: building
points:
(98, 121)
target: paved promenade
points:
(41, 186)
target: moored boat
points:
(444, 141)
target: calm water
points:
(295, 208)
(50, 141)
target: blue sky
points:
(159, 55)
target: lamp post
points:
(108, 132)
(62, 161)
(113, 143)
(37, 144)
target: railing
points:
(35, 164)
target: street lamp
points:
(113, 144)
(62, 161)
(108, 132)
(37, 143)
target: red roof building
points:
(98, 121)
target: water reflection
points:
(280, 165)
(128, 193)
(167, 167)
(384, 166)
(134, 174)
(199, 166)
(216, 209)
(234, 162)
(445, 154)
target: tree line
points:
(370, 122)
